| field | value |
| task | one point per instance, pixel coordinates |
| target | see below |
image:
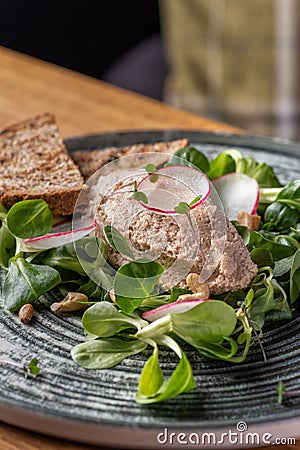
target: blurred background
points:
(230, 60)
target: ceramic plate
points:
(98, 406)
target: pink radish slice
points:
(170, 185)
(237, 192)
(175, 307)
(51, 240)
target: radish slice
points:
(170, 185)
(237, 192)
(174, 308)
(51, 240)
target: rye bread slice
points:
(34, 163)
(90, 162)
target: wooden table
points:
(82, 105)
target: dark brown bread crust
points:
(90, 162)
(61, 203)
(34, 163)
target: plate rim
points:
(143, 438)
(226, 138)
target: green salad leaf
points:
(280, 246)
(270, 300)
(61, 258)
(222, 164)
(105, 353)
(104, 320)
(180, 381)
(290, 195)
(280, 217)
(7, 246)
(134, 281)
(190, 156)
(26, 282)
(295, 277)
(209, 321)
(117, 241)
(152, 377)
(29, 219)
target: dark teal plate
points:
(98, 406)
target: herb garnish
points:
(282, 392)
(29, 369)
(139, 195)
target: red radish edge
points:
(256, 203)
(161, 311)
(226, 175)
(172, 211)
(61, 233)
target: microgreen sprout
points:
(195, 200)
(151, 169)
(182, 208)
(244, 310)
(29, 369)
(185, 208)
(258, 338)
(138, 195)
(32, 367)
(282, 392)
(153, 177)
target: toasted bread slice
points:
(34, 163)
(90, 162)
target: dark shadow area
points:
(89, 37)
